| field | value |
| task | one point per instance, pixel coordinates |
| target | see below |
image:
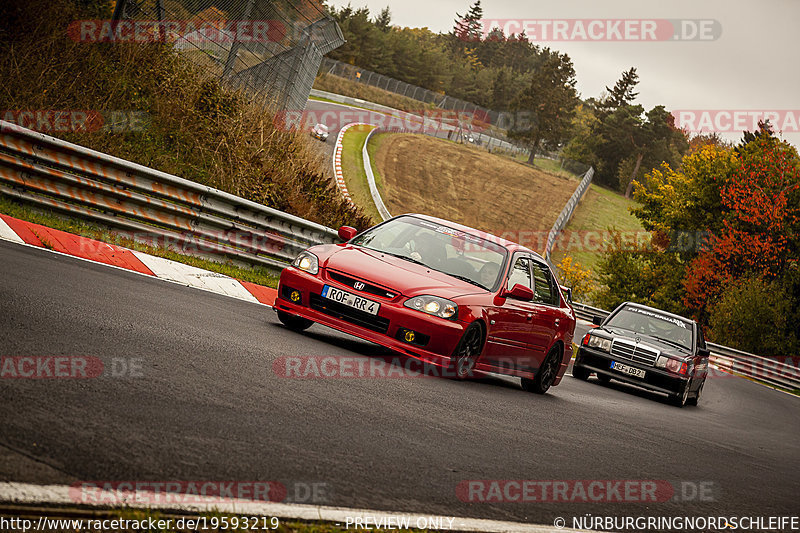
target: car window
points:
(544, 287)
(520, 273)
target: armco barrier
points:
(566, 213)
(373, 187)
(122, 195)
(734, 361)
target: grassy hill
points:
(468, 185)
(599, 210)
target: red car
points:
(446, 294)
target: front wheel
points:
(696, 398)
(468, 350)
(680, 399)
(580, 373)
(294, 322)
(546, 374)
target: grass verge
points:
(599, 210)
(258, 275)
(353, 171)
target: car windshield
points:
(653, 324)
(454, 252)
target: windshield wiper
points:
(411, 259)
(468, 280)
(669, 341)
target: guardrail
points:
(373, 187)
(771, 371)
(566, 213)
(148, 204)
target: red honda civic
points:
(449, 295)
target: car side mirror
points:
(597, 321)
(520, 292)
(346, 233)
(704, 352)
(567, 294)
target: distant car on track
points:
(646, 347)
(320, 131)
(449, 295)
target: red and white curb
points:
(64, 495)
(337, 160)
(28, 233)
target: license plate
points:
(350, 300)
(629, 370)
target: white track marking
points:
(29, 494)
(195, 277)
(8, 234)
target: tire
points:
(467, 351)
(293, 322)
(546, 374)
(680, 399)
(696, 398)
(580, 373)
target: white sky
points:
(753, 65)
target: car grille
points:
(368, 287)
(348, 314)
(634, 352)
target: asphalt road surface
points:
(208, 406)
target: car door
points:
(547, 313)
(510, 322)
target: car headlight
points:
(307, 261)
(433, 305)
(676, 366)
(600, 343)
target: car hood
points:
(405, 277)
(640, 338)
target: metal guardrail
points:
(771, 371)
(566, 213)
(147, 204)
(373, 187)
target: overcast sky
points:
(752, 65)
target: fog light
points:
(409, 336)
(295, 296)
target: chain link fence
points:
(270, 48)
(442, 101)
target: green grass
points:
(599, 210)
(258, 275)
(353, 171)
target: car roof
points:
(511, 245)
(656, 310)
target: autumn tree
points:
(550, 101)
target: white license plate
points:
(629, 370)
(350, 300)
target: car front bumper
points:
(655, 379)
(442, 335)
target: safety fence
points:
(771, 371)
(148, 205)
(270, 48)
